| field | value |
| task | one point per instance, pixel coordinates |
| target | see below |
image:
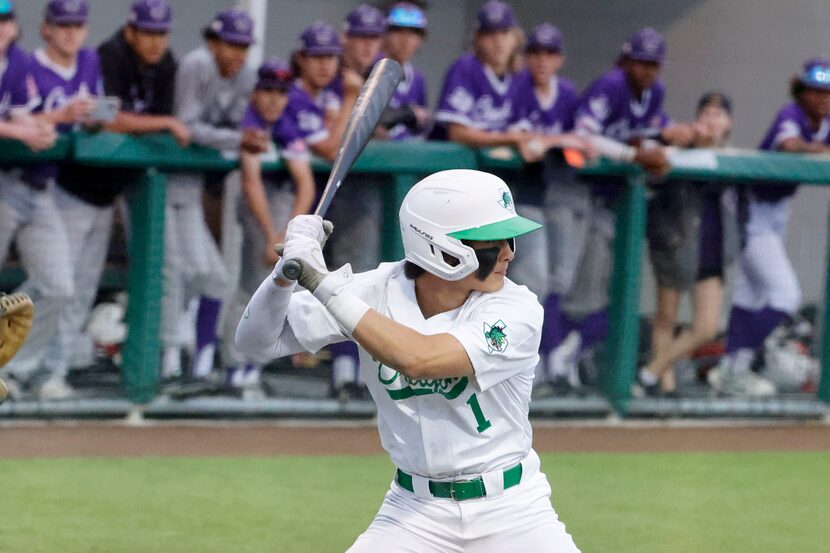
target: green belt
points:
(461, 490)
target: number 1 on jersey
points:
(483, 423)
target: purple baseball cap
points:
(234, 26)
(66, 12)
(495, 16)
(545, 37)
(320, 40)
(274, 74)
(365, 21)
(406, 15)
(645, 45)
(151, 15)
(816, 74)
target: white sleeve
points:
(502, 337)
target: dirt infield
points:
(110, 440)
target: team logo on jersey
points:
(401, 387)
(461, 100)
(599, 107)
(495, 336)
(506, 201)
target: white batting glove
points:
(303, 229)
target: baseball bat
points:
(375, 95)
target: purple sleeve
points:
(23, 93)
(252, 120)
(595, 108)
(457, 98)
(421, 95)
(521, 102)
(91, 67)
(289, 140)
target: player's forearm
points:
(328, 147)
(300, 171)
(253, 191)
(610, 148)
(798, 145)
(216, 137)
(415, 355)
(134, 123)
(261, 327)
(481, 139)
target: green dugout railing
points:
(404, 163)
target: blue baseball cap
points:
(365, 21)
(816, 74)
(320, 40)
(495, 16)
(233, 26)
(66, 12)
(274, 74)
(545, 37)
(408, 16)
(645, 45)
(6, 9)
(151, 15)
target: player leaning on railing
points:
(448, 348)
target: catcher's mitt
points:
(16, 313)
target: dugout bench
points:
(404, 163)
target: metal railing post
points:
(824, 383)
(141, 349)
(624, 308)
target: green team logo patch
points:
(506, 201)
(400, 387)
(495, 336)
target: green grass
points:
(753, 502)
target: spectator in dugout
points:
(475, 102)
(621, 114)
(362, 36)
(318, 108)
(693, 237)
(407, 116)
(766, 291)
(27, 210)
(212, 91)
(137, 68)
(270, 200)
(67, 76)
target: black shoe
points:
(642, 389)
(349, 392)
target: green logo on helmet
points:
(495, 336)
(506, 200)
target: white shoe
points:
(733, 376)
(171, 363)
(562, 361)
(203, 361)
(55, 388)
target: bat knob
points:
(292, 269)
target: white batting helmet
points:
(450, 206)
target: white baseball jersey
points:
(447, 427)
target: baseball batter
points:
(212, 91)
(766, 288)
(66, 76)
(448, 348)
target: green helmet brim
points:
(509, 228)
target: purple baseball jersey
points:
(474, 96)
(790, 122)
(608, 108)
(56, 87)
(412, 90)
(283, 132)
(17, 88)
(556, 116)
(309, 114)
